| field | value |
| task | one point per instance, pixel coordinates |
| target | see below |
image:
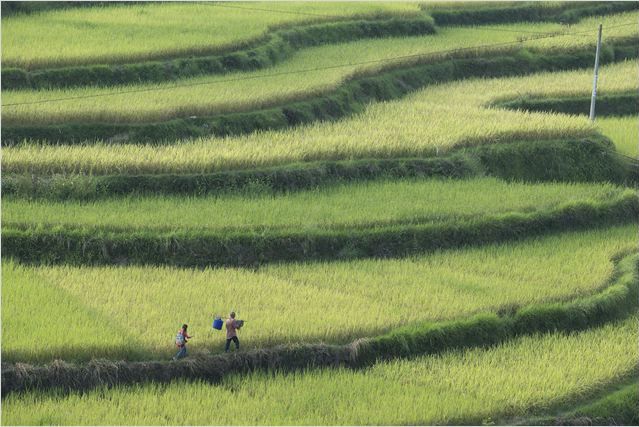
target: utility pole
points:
(594, 83)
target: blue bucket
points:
(217, 324)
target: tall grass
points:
(252, 90)
(333, 302)
(623, 131)
(160, 30)
(431, 121)
(359, 205)
(477, 386)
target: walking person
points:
(232, 326)
(181, 339)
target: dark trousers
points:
(181, 353)
(228, 343)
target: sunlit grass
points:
(623, 131)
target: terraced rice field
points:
(349, 299)
(346, 206)
(624, 131)
(424, 123)
(324, 69)
(470, 387)
(376, 289)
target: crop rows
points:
(69, 37)
(343, 207)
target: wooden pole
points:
(594, 83)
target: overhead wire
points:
(634, 160)
(307, 70)
(478, 27)
(290, 12)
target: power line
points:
(301, 71)
(635, 160)
(219, 4)
(290, 12)
(347, 16)
(558, 33)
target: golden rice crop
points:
(624, 131)
(431, 121)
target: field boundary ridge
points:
(609, 104)
(615, 404)
(566, 13)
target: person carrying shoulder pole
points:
(231, 332)
(181, 339)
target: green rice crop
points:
(430, 121)
(475, 386)
(253, 90)
(623, 131)
(159, 30)
(408, 202)
(332, 302)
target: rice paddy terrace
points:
(406, 202)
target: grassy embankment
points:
(619, 405)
